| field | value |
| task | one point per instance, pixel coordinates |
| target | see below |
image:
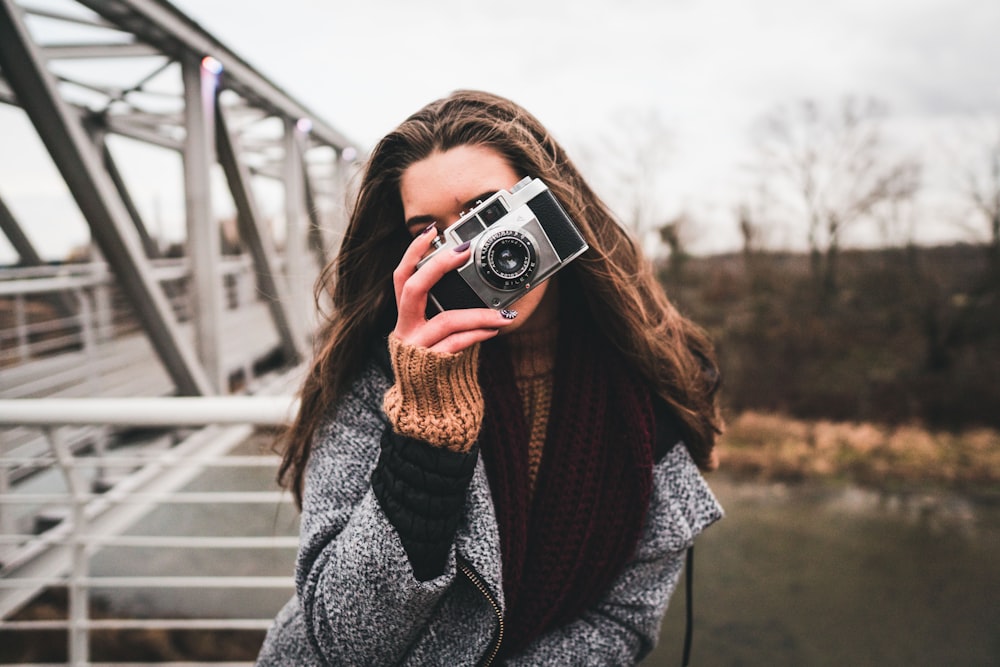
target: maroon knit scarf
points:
(563, 548)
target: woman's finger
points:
(412, 295)
(443, 262)
(449, 331)
(451, 322)
(408, 264)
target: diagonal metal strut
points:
(80, 164)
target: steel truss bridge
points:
(129, 380)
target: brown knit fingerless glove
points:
(436, 397)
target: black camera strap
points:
(689, 599)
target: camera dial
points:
(507, 259)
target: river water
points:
(797, 575)
(814, 575)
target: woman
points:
(514, 487)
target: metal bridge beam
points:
(86, 51)
(258, 241)
(203, 242)
(79, 163)
(166, 27)
(316, 241)
(68, 18)
(65, 304)
(127, 126)
(297, 259)
(6, 94)
(149, 245)
(18, 240)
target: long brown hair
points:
(613, 279)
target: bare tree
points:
(896, 220)
(755, 218)
(981, 184)
(833, 167)
(675, 233)
(629, 165)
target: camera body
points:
(518, 239)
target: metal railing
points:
(98, 517)
(49, 309)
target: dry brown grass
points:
(774, 447)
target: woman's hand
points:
(450, 331)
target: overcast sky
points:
(708, 68)
(365, 65)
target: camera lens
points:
(507, 260)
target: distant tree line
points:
(912, 335)
(901, 333)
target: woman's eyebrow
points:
(424, 220)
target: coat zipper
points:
(478, 582)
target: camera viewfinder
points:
(492, 213)
(469, 229)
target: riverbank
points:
(770, 447)
(826, 574)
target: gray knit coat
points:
(358, 602)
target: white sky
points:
(708, 68)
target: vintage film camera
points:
(518, 239)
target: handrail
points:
(98, 520)
(76, 306)
(40, 280)
(25, 286)
(169, 411)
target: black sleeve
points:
(422, 488)
(669, 431)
